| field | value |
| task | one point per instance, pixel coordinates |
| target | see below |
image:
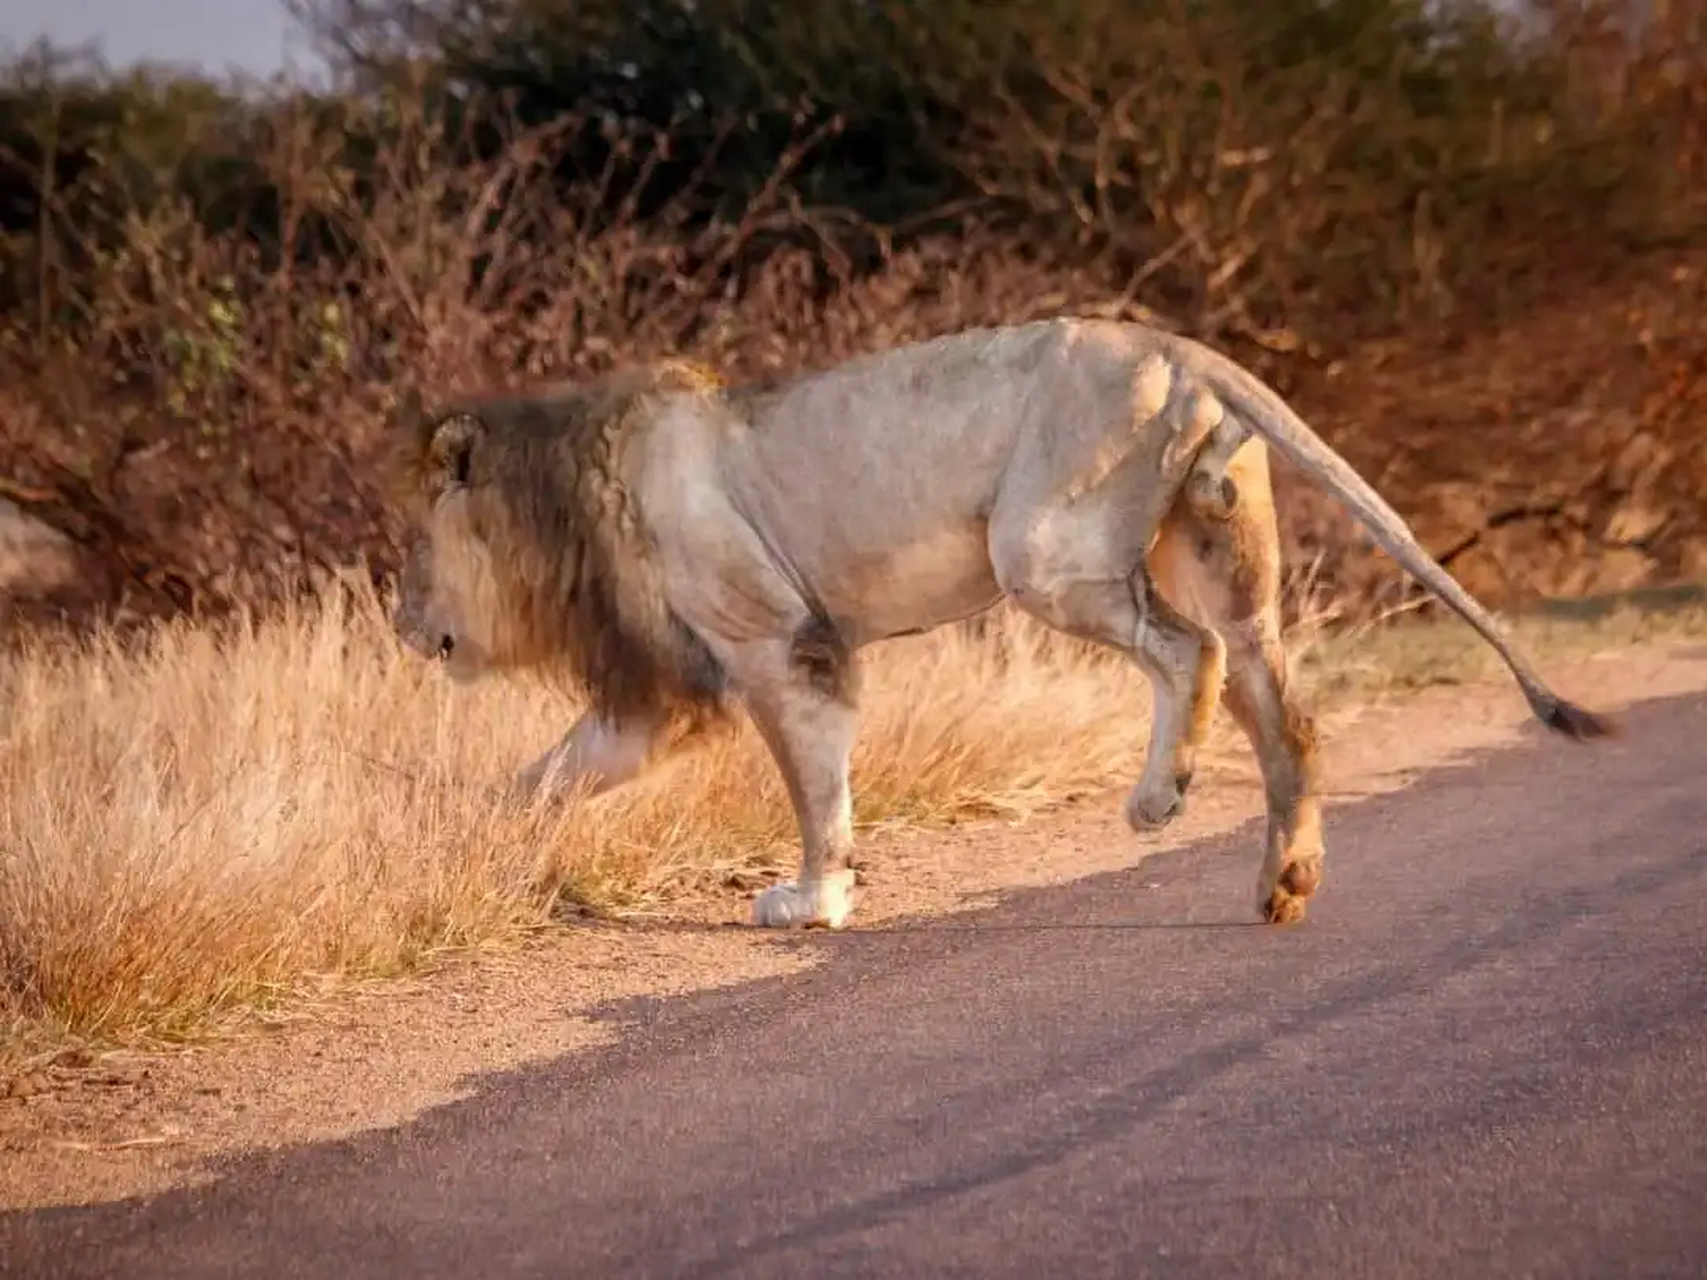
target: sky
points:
(257, 37)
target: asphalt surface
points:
(1484, 1054)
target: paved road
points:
(1484, 1055)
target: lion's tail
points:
(1259, 408)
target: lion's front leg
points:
(596, 754)
(804, 709)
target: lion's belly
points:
(912, 585)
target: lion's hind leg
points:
(1284, 738)
(1184, 663)
(1226, 573)
(1124, 612)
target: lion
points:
(682, 547)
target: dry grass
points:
(1392, 658)
(225, 814)
(218, 817)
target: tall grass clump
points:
(204, 815)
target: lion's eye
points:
(446, 645)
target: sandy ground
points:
(83, 1128)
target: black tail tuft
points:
(1571, 720)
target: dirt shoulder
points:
(83, 1128)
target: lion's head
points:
(522, 545)
(451, 605)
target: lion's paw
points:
(1151, 810)
(789, 906)
(1282, 908)
(1285, 902)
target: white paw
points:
(789, 906)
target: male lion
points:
(678, 546)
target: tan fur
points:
(1225, 573)
(671, 543)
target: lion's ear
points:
(450, 450)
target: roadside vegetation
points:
(209, 818)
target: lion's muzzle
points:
(426, 641)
